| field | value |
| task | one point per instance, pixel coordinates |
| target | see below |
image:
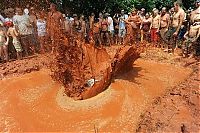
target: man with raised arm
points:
(55, 24)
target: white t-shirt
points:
(111, 26)
(23, 24)
(41, 27)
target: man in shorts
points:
(122, 26)
(177, 21)
(24, 27)
(164, 25)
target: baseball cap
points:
(9, 23)
(75, 15)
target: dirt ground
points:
(160, 93)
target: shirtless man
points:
(164, 24)
(67, 25)
(133, 29)
(76, 26)
(91, 24)
(155, 25)
(191, 37)
(83, 27)
(177, 22)
(55, 24)
(104, 30)
(196, 12)
(33, 20)
(96, 33)
(16, 43)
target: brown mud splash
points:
(76, 63)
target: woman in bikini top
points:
(104, 25)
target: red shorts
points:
(154, 35)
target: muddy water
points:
(34, 102)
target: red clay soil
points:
(157, 93)
(178, 110)
(27, 65)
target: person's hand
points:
(6, 43)
(193, 40)
(175, 34)
(29, 25)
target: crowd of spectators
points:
(28, 31)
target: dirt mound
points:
(27, 65)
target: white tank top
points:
(41, 27)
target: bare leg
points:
(108, 39)
(41, 41)
(5, 50)
(1, 53)
(102, 34)
(24, 43)
(19, 55)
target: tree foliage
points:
(88, 6)
(96, 6)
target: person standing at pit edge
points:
(164, 25)
(4, 39)
(155, 25)
(16, 43)
(174, 30)
(55, 25)
(122, 26)
(24, 27)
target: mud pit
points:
(34, 102)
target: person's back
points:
(12, 32)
